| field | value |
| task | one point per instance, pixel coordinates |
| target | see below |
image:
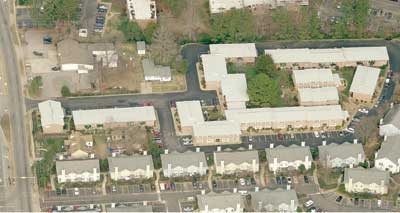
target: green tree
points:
(314, 24)
(176, 6)
(263, 91)
(35, 86)
(314, 152)
(65, 92)
(361, 13)
(287, 29)
(131, 30)
(265, 64)
(59, 10)
(302, 169)
(364, 164)
(104, 165)
(233, 26)
(149, 31)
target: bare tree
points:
(164, 48)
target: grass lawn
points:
(347, 73)
(327, 178)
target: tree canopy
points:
(59, 10)
(265, 64)
(263, 91)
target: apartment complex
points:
(341, 155)
(388, 156)
(318, 96)
(189, 113)
(360, 180)
(364, 83)
(241, 53)
(220, 202)
(133, 167)
(288, 158)
(78, 171)
(315, 78)
(236, 162)
(277, 200)
(114, 117)
(51, 117)
(212, 133)
(142, 10)
(234, 91)
(390, 124)
(342, 57)
(288, 117)
(220, 6)
(183, 164)
(214, 70)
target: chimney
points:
(256, 189)
(61, 157)
(376, 155)
(218, 148)
(203, 192)
(323, 143)
(385, 138)
(271, 145)
(145, 152)
(91, 206)
(381, 121)
(250, 146)
(234, 190)
(303, 143)
(197, 149)
(59, 208)
(351, 166)
(355, 141)
(112, 205)
(166, 151)
(288, 187)
(206, 208)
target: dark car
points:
(279, 180)
(214, 183)
(306, 180)
(47, 40)
(356, 201)
(173, 186)
(141, 188)
(58, 191)
(37, 53)
(284, 181)
(253, 181)
(339, 199)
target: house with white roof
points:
(220, 202)
(131, 167)
(234, 91)
(313, 78)
(189, 113)
(283, 158)
(388, 156)
(342, 57)
(214, 70)
(220, 6)
(236, 162)
(341, 155)
(78, 170)
(212, 133)
(142, 10)
(183, 164)
(318, 96)
(390, 124)
(360, 180)
(277, 200)
(242, 53)
(114, 117)
(364, 83)
(51, 117)
(288, 117)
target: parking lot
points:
(129, 189)
(73, 192)
(184, 186)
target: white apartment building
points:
(318, 96)
(388, 156)
(51, 117)
(133, 167)
(283, 158)
(183, 164)
(78, 171)
(220, 202)
(241, 52)
(234, 91)
(360, 180)
(277, 200)
(236, 162)
(341, 155)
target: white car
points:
(316, 134)
(76, 191)
(308, 204)
(350, 130)
(242, 182)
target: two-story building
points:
(390, 124)
(360, 180)
(278, 200)
(220, 202)
(78, 170)
(288, 158)
(51, 117)
(132, 167)
(341, 155)
(236, 162)
(388, 156)
(184, 164)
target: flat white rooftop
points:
(51, 112)
(365, 80)
(243, 50)
(312, 76)
(214, 67)
(189, 112)
(216, 128)
(287, 114)
(111, 115)
(234, 88)
(142, 9)
(330, 55)
(318, 94)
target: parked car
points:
(339, 199)
(214, 183)
(37, 53)
(279, 180)
(242, 182)
(289, 180)
(253, 181)
(173, 186)
(113, 188)
(47, 40)
(76, 191)
(280, 136)
(141, 188)
(316, 134)
(308, 203)
(306, 180)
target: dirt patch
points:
(6, 126)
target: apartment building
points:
(288, 158)
(142, 10)
(212, 133)
(388, 156)
(51, 117)
(240, 53)
(360, 180)
(220, 6)
(234, 91)
(183, 164)
(132, 167)
(341, 57)
(214, 70)
(189, 113)
(288, 117)
(341, 155)
(314, 78)
(220, 202)
(318, 96)
(78, 171)
(390, 124)
(236, 162)
(277, 200)
(114, 117)
(364, 83)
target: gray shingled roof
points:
(131, 163)
(393, 116)
(236, 157)
(77, 166)
(150, 69)
(71, 52)
(390, 149)
(273, 197)
(341, 151)
(219, 200)
(291, 153)
(184, 160)
(140, 45)
(366, 176)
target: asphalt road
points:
(21, 192)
